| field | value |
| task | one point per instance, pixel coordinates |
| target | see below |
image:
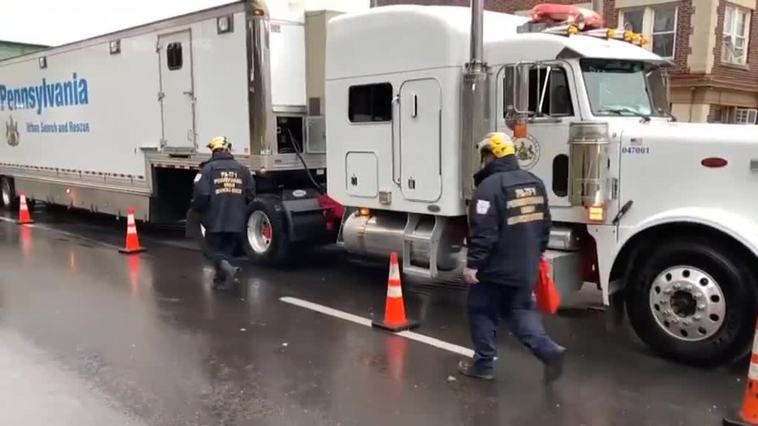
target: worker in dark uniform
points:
(223, 189)
(509, 231)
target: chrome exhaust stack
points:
(262, 120)
(475, 100)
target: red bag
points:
(548, 298)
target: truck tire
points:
(266, 240)
(7, 193)
(693, 300)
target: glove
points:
(469, 276)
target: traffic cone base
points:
(24, 218)
(132, 251)
(734, 422)
(408, 325)
(132, 239)
(748, 414)
(394, 311)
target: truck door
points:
(177, 95)
(420, 119)
(552, 109)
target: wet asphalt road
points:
(94, 337)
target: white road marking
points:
(441, 344)
(336, 313)
(62, 232)
(326, 310)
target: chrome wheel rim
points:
(687, 303)
(259, 232)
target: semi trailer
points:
(121, 120)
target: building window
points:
(657, 23)
(745, 115)
(174, 56)
(633, 19)
(370, 103)
(736, 33)
(664, 30)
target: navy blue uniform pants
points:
(220, 247)
(488, 303)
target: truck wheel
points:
(7, 193)
(266, 239)
(693, 301)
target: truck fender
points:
(304, 211)
(739, 228)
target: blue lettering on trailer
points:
(46, 95)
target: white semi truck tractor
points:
(655, 212)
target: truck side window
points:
(560, 175)
(370, 103)
(556, 99)
(174, 56)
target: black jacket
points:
(509, 224)
(223, 189)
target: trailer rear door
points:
(177, 93)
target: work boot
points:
(230, 276)
(554, 366)
(218, 279)
(471, 370)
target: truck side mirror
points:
(521, 88)
(516, 91)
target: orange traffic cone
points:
(132, 239)
(394, 311)
(23, 212)
(748, 415)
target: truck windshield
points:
(627, 88)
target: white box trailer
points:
(655, 212)
(122, 120)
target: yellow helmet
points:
(218, 143)
(498, 143)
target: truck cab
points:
(648, 209)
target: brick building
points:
(712, 46)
